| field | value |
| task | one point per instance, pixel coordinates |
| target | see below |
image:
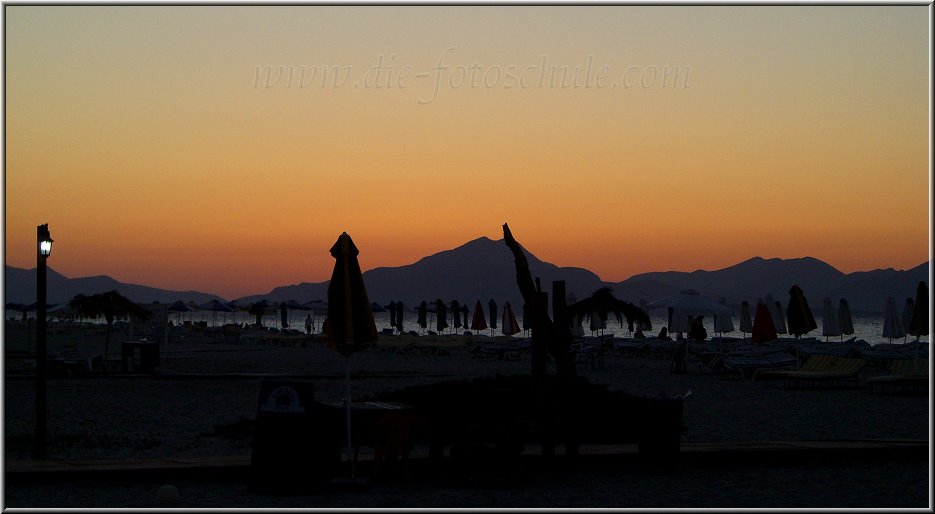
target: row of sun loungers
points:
(820, 370)
(906, 374)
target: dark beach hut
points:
(110, 306)
(602, 303)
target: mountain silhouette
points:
(477, 270)
(483, 269)
(20, 287)
(754, 278)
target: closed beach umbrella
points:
(644, 324)
(510, 325)
(480, 321)
(464, 315)
(829, 320)
(350, 325)
(775, 311)
(798, 315)
(908, 310)
(763, 329)
(350, 317)
(892, 323)
(920, 313)
(422, 315)
(781, 317)
(392, 309)
(456, 313)
(492, 309)
(920, 318)
(844, 318)
(441, 315)
(746, 322)
(258, 309)
(400, 309)
(722, 322)
(679, 322)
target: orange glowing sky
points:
(146, 139)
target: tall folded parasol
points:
(350, 325)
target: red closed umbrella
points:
(480, 321)
(763, 329)
(510, 325)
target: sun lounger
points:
(592, 354)
(910, 374)
(71, 361)
(502, 350)
(751, 366)
(630, 347)
(821, 370)
(661, 348)
(884, 354)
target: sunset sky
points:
(162, 150)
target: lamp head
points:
(45, 240)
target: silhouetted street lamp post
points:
(44, 249)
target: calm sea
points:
(868, 328)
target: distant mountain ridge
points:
(865, 291)
(483, 269)
(20, 287)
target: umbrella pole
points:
(347, 412)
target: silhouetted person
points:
(308, 324)
(664, 334)
(639, 334)
(697, 330)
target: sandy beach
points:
(205, 390)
